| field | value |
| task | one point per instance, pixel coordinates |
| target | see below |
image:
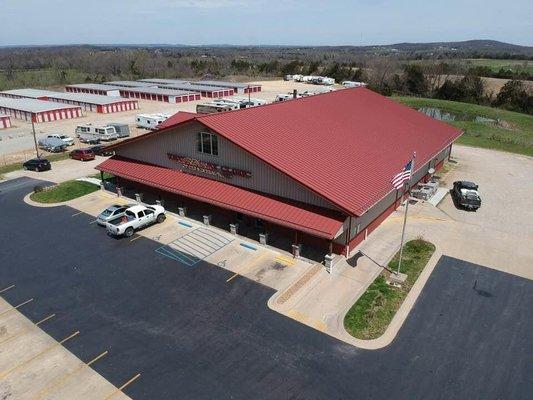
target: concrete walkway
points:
(495, 236)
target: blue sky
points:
(289, 22)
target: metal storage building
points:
(5, 121)
(26, 93)
(236, 86)
(315, 171)
(131, 84)
(95, 102)
(94, 88)
(89, 102)
(158, 94)
(38, 110)
(205, 91)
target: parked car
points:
(82, 154)
(89, 138)
(134, 218)
(67, 139)
(37, 165)
(465, 194)
(102, 151)
(112, 212)
(52, 144)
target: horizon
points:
(204, 23)
(208, 45)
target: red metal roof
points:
(178, 118)
(344, 145)
(313, 220)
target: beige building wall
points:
(182, 141)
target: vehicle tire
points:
(160, 218)
(36, 169)
(128, 232)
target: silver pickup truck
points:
(135, 217)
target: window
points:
(207, 143)
(140, 214)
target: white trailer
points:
(351, 84)
(150, 121)
(104, 133)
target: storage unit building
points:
(26, 93)
(131, 84)
(236, 86)
(205, 91)
(5, 121)
(38, 110)
(158, 94)
(89, 102)
(316, 171)
(94, 88)
(95, 102)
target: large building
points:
(314, 171)
(158, 94)
(89, 102)
(94, 88)
(37, 110)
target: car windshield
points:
(108, 211)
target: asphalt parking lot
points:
(191, 334)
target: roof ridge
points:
(278, 103)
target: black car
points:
(37, 164)
(465, 195)
(102, 151)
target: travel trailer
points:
(150, 121)
(105, 133)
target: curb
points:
(401, 315)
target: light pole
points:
(34, 136)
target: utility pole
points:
(34, 136)
(406, 190)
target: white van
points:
(105, 133)
(150, 121)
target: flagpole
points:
(406, 208)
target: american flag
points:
(399, 179)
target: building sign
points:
(204, 167)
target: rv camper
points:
(210, 108)
(104, 133)
(150, 121)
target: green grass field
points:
(493, 64)
(496, 65)
(64, 192)
(370, 316)
(513, 133)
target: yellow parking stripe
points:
(7, 288)
(9, 371)
(16, 307)
(23, 331)
(123, 386)
(287, 261)
(64, 378)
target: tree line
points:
(387, 74)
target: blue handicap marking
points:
(194, 246)
(248, 246)
(176, 255)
